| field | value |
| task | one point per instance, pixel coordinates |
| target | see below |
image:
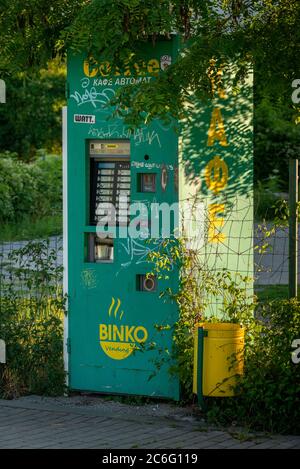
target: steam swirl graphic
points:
(113, 301)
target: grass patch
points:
(29, 228)
(242, 436)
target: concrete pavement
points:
(46, 423)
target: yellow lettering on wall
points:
(118, 333)
(216, 85)
(105, 69)
(153, 67)
(136, 68)
(215, 77)
(217, 129)
(90, 67)
(127, 71)
(103, 332)
(140, 68)
(216, 174)
(220, 89)
(129, 336)
(216, 223)
(144, 332)
(117, 72)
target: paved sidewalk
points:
(51, 423)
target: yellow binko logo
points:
(119, 341)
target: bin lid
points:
(218, 329)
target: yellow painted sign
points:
(217, 130)
(92, 68)
(216, 170)
(216, 174)
(216, 223)
(119, 341)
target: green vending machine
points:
(119, 184)
(113, 306)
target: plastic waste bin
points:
(219, 358)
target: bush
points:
(199, 287)
(31, 117)
(29, 190)
(31, 311)
(268, 395)
(269, 392)
(265, 199)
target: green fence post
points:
(293, 228)
(201, 335)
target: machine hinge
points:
(69, 345)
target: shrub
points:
(31, 117)
(31, 312)
(267, 196)
(199, 287)
(29, 190)
(269, 392)
(268, 395)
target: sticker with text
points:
(84, 119)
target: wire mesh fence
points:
(25, 265)
(258, 249)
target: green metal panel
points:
(107, 315)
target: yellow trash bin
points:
(223, 358)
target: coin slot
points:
(146, 283)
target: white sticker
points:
(165, 61)
(84, 119)
(2, 92)
(164, 178)
(2, 351)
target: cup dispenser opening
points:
(100, 249)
